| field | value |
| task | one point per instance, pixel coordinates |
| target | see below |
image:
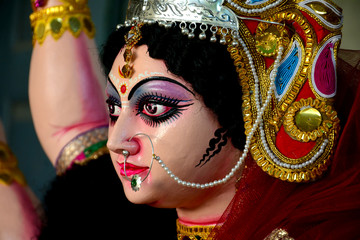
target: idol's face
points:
(166, 108)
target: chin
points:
(142, 196)
(145, 197)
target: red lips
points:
(131, 169)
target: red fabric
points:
(292, 148)
(286, 145)
(305, 92)
(328, 208)
(321, 32)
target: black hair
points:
(207, 66)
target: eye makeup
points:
(155, 109)
(160, 100)
(155, 100)
(114, 107)
(162, 82)
(113, 101)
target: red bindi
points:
(123, 89)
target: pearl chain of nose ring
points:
(136, 179)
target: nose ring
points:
(136, 180)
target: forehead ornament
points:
(131, 39)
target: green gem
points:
(268, 47)
(198, 237)
(133, 182)
(74, 24)
(93, 148)
(40, 30)
(56, 25)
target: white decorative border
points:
(337, 12)
(295, 43)
(333, 39)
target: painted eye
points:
(114, 110)
(155, 110)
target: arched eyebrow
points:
(156, 78)
(112, 85)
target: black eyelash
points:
(111, 101)
(169, 116)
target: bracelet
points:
(56, 20)
(83, 148)
(9, 170)
(35, 4)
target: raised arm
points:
(66, 82)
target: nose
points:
(119, 138)
(117, 145)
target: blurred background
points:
(15, 55)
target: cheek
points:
(184, 141)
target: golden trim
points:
(310, 41)
(244, 82)
(9, 170)
(58, 19)
(193, 232)
(330, 120)
(318, 20)
(312, 165)
(78, 145)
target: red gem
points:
(123, 89)
(39, 3)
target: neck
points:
(198, 223)
(209, 209)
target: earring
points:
(136, 180)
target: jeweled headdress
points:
(285, 54)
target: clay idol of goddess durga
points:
(225, 110)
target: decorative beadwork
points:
(193, 232)
(133, 37)
(258, 121)
(85, 147)
(254, 9)
(328, 120)
(9, 170)
(58, 19)
(189, 16)
(270, 83)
